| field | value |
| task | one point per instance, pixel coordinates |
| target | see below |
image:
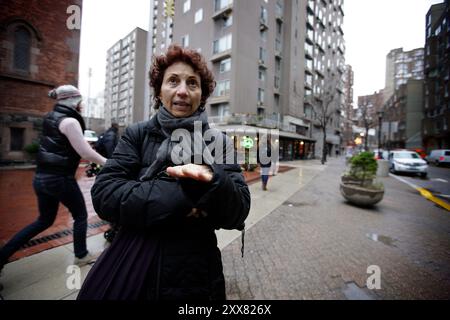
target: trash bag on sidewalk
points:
(120, 272)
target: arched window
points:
(22, 48)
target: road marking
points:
(425, 193)
(440, 180)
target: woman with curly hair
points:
(168, 203)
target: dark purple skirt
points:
(120, 272)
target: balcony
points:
(223, 12)
(279, 17)
(263, 25)
(219, 99)
(221, 55)
(262, 64)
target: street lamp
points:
(380, 118)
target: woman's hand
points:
(193, 171)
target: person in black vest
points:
(61, 148)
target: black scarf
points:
(169, 124)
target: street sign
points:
(247, 142)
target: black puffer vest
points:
(56, 155)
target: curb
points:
(425, 193)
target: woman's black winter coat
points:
(188, 263)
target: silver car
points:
(407, 161)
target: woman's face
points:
(181, 90)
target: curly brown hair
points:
(176, 53)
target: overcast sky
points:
(372, 28)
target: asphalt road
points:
(437, 182)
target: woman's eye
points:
(172, 82)
(192, 83)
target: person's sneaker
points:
(89, 258)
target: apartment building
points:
(436, 123)
(401, 66)
(348, 112)
(272, 60)
(402, 120)
(126, 80)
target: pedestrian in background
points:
(166, 248)
(265, 163)
(107, 142)
(62, 145)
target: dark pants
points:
(51, 190)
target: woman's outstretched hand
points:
(193, 171)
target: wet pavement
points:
(318, 246)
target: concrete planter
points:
(361, 196)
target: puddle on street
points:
(383, 239)
(296, 204)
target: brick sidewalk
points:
(317, 246)
(18, 208)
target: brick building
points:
(39, 50)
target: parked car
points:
(439, 156)
(407, 161)
(90, 136)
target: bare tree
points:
(367, 122)
(323, 112)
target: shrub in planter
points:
(358, 185)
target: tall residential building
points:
(436, 123)
(348, 111)
(402, 121)
(126, 80)
(401, 66)
(40, 45)
(272, 60)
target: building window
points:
(22, 49)
(276, 82)
(220, 4)
(260, 95)
(186, 6)
(185, 41)
(225, 65)
(223, 88)
(262, 54)
(17, 138)
(199, 16)
(263, 15)
(227, 20)
(222, 44)
(263, 35)
(220, 110)
(262, 74)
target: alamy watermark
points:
(73, 281)
(254, 146)
(73, 22)
(374, 280)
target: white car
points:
(407, 161)
(90, 136)
(440, 156)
